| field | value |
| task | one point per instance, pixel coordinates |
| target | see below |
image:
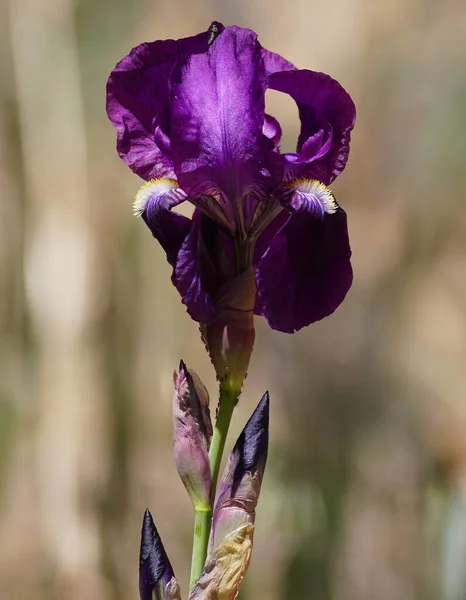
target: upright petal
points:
(327, 116)
(218, 114)
(306, 271)
(156, 578)
(275, 63)
(138, 103)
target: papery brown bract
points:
(225, 567)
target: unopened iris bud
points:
(192, 435)
(232, 531)
(239, 487)
(156, 578)
(230, 334)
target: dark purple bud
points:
(192, 435)
(250, 451)
(156, 578)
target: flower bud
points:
(230, 335)
(239, 487)
(192, 435)
(231, 537)
(156, 578)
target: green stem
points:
(203, 517)
(225, 411)
(202, 521)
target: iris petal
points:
(310, 195)
(138, 103)
(274, 62)
(187, 276)
(181, 239)
(218, 114)
(154, 202)
(327, 116)
(306, 271)
(164, 190)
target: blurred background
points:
(365, 492)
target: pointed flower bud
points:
(230, 335)
(192, 435)
(239, 487)
(232, 531)
(156, 578)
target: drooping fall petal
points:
(154, 202)
(306, 272)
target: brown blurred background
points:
(365, 493)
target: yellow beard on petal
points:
(151, 188)
(316, 188)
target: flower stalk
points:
(203, 517)
(202, 526)
(228, 399)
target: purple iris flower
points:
(191, 121)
